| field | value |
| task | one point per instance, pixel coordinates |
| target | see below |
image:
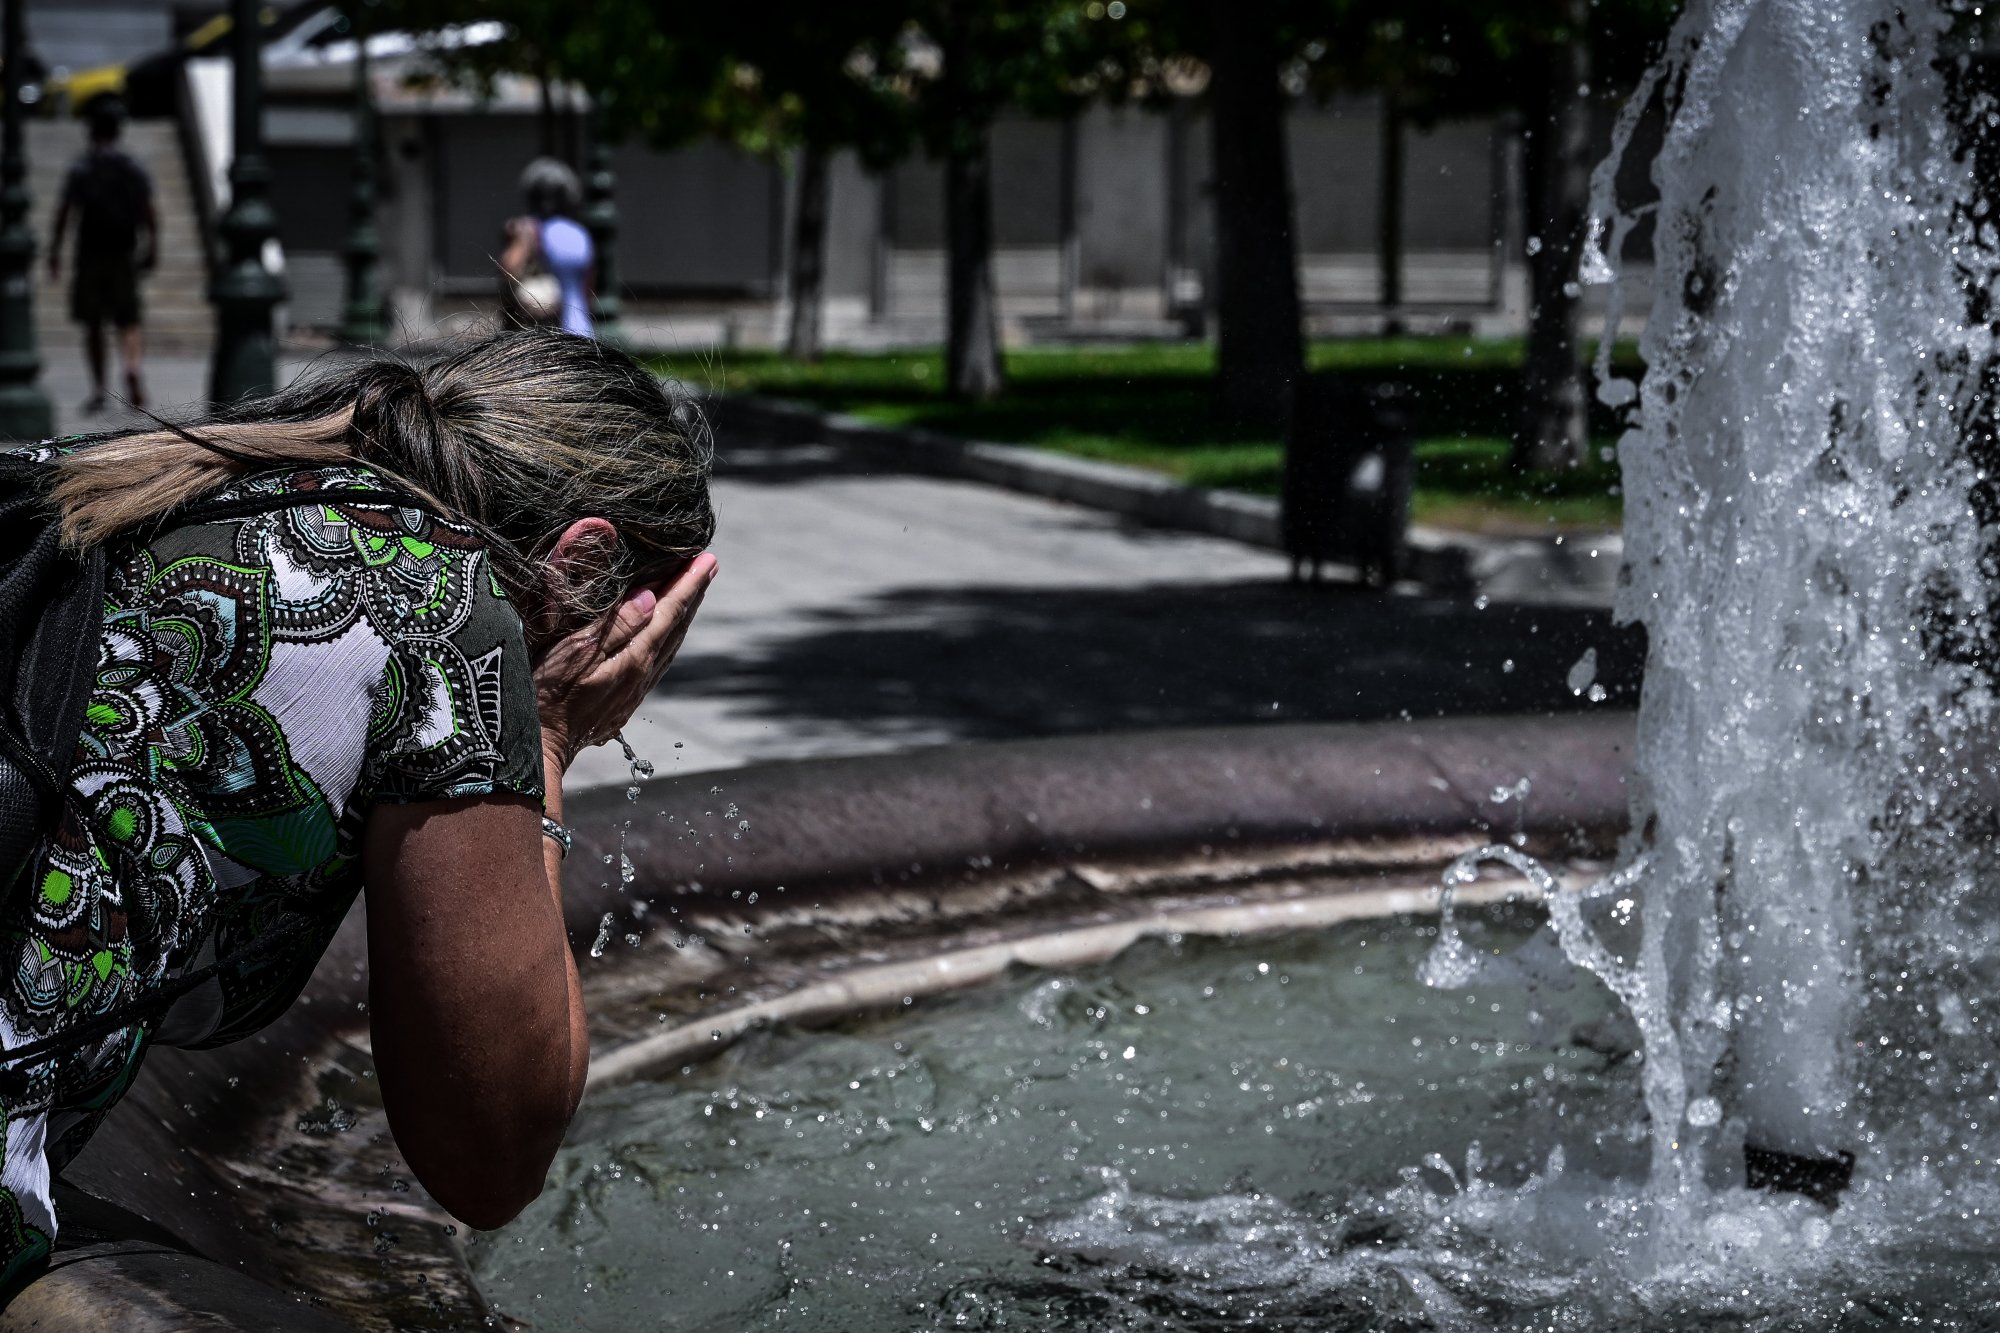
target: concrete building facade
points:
(1102, 224)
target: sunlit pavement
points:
(861, 613)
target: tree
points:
(876, 76)
(804, 87)
(1234, 51)
(1540, 59)
(1260, 349)
(974, 45)
(1553, 432)
(1370, 46)
(672, 78)
(959, 64)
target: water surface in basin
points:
(1279, 1132)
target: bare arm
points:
(477, 1014)
(520, 247)
(474, 1003)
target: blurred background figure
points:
(111, 197)
(549, 262)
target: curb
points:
(827, 828)
(1457, 563)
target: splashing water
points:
(641, 770)
(1811, 476)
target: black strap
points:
(13, 1079)
(248, 506)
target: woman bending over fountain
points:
(353, 635)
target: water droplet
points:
(603, 936)
(1583, 672)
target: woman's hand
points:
(522, 239)
(589, 683)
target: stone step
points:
(176, 293)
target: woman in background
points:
(549, 262)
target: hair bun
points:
(391, 400)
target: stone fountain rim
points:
(1273, 785)
(918, 818)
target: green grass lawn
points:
(1152, 406)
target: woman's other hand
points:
(522, 240)
(589, 683)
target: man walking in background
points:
(112, 198)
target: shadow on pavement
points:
(973, 663)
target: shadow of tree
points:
(991, 663)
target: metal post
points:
(244, 291)
(361, 317)
(24, 408)
(600, 215)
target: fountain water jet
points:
(1806, 474)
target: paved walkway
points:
(863, 613)
(174, 381)
(860, 613)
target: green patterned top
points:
(263, 682)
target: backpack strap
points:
(14, 1064)
(249, 506)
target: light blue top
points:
(567, 254)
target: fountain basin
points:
(269, 1161)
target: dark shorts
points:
(105, 290)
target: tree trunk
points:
(972, 340)
(972, 337)
(1389, 219)
(808, 257)
(1553, 428)
(1259, 352)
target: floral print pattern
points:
(263, 681)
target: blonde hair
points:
(520, 435)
